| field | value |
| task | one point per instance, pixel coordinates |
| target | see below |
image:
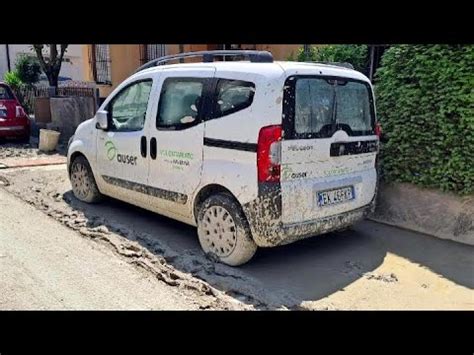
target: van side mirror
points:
(102, 120)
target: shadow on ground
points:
(449, 259)
(304, 271)
(308, 270)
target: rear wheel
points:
(223, 231)
(83, 183)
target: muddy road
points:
(371, 266)
(44, 265)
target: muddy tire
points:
(83, 183)
(223, 231)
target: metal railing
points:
(149, 52)
(210, 56)
(100, 63)
(28, 94)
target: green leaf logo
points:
(111, 150)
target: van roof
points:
(272, 70)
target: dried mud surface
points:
(370, 266)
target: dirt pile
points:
(10, 149)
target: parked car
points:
(14, 122)
(254, 153)
(43, 79)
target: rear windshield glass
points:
(5, 93)
(323, 106)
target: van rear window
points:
(319, 106)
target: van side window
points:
(127, 110)
(180, 102)
(233, 96)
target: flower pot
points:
(48, 140)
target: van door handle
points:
(143, 146)
(153, 148)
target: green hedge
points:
(425, 103)
(355, 54)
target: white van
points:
(253, 153)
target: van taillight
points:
(378, 133)
(378, 129)
(268, 154)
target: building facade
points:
(108, 65)
(72, 67)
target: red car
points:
(14, 122)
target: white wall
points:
(3, 61)
(72, 68)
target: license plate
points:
(335, 196)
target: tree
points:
(28, 69)
(52, 65)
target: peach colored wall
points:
(280, 51)
(86, 65)
(125, 59)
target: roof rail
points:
(209, 56)
(337, 64)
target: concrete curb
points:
(428, 211)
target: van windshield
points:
(323, 106)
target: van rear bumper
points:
(294, 232)
(268, 230)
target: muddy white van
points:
(255, 153)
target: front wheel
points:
(83, 183)
(223, 231)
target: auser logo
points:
(112, 152)
(287, 174)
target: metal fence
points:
(149, 52)
(100, 63)
(28, 94)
